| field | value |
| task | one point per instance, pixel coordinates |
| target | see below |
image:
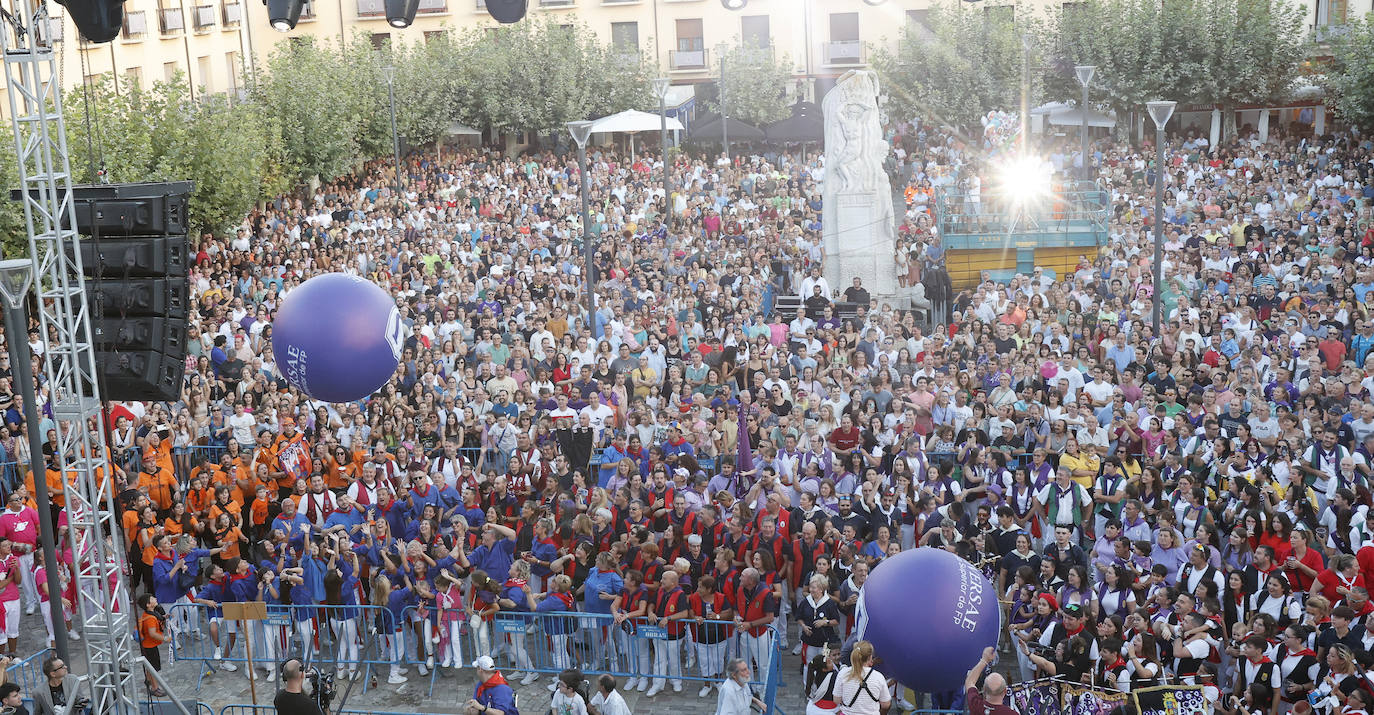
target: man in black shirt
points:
(292, 698)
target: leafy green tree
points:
(1222, 52)
(756, 85)
(14, 241)
(321, 103)
(160, 134)
(428, 91)
(1349, 77)
(962, 63)
(538, 74)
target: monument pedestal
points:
(860, 234)
(860, 244)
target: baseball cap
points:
(484, 663)
(1073, 609)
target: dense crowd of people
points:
(1188, 506)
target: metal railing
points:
(521, 642)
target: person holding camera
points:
(295, 696)
(61, 694)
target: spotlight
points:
(506, 11)
(400, 13)
(98, 20)
(283, 14)
(1024, 179)
(734, 4)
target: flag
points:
(744, 458)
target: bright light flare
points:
(1024, 179)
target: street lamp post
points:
(1160, 112)
(661, 85)
(390, 73)
(1085, 78)
(724, 124)
(16, 277)
(581, 132)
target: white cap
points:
(484, 663)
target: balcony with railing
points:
(688, 60)
(233, 14)
(843, 52)
(170, 20)
(480, 6)
(1324, 33)
(308, 11)
(135, 24)
(203, 16)
(371, 8)
(556, 4)
(432, 7)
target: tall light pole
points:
(661, 85)
(581, 132)
(16, 277)
(390, 73)
(1160, 112)
(724, 125)
(1085, 78)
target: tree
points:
(537, 75)
(1349, 79)
(1220, 52)
(321, 100)
(14, 240)
(756, 85)
(428, 91)
(962, 63)
(160, 134)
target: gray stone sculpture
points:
(858, 227)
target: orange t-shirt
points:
(160, 487)
(145, 540)
(174, 528)
(261, 508)
(149, 631)
(234, 510)
(229, 542)
(130, 525)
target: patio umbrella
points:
(710, 127)
(805, 125)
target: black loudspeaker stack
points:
(135, 256)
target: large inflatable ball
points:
(929, 614)
(337, 337)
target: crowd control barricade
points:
(548, 643)
(283, 633)
(521, 642)
(28, 673)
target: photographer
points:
(62, 692)
(295, 696)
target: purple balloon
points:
(929, 614)
(337, 337)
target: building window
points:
(1000, 13)
(134, 76)
(625, 36)
(434, 35)
(380, 40)
(169, 71)
(231, 70)
(844, 27)
(919, 18)
(754, 32)
(689, 35)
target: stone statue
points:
(858, 225)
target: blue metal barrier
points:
(28, 673)
(533, 644)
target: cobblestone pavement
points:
(450, 688)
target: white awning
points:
(632, 120)
(461, 130)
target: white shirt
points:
(612, 704)
(851, 695)
(736, 699)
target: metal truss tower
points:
(40, 138)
